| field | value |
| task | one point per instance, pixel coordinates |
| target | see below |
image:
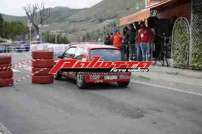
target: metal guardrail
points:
(14, 47)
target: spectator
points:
(125, 47)
(117, 40)
(144, 38)
(108, 40)
(114, 29)
(137, 43)
(132, 34)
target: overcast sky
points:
(15, 7)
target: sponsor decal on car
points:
(98, 65)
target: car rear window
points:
(106, 54)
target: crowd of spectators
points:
(135, 41)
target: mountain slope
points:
(14, 18)
(109, 9)
(77, 22)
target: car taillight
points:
(95, 77)
(124, 76)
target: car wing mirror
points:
(71, 55)
(61, 56)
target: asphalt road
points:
(61, 108)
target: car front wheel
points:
(58, 76)
(80, 81)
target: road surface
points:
(61, 108)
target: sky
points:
(15, 7)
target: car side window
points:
(79, 52)
(70, 53)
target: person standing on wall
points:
(132, 48)
(137, 43)
(144, 38)
(125, 46)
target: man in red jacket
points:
(144, 38)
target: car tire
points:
(5, 59)
(42, 55)
(123, 84)
(40, 71)
(43, 79)
(58, 76)
(6, 74)
(80, 81)
(47, 63)
(6, 82)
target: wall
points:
(196, 31)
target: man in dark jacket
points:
(125, 47)
(132, 35)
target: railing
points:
(14, 47)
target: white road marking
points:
(168, 88)
(15, 71)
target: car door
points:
(69, 53)
(78, 55)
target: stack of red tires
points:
(41, 65)
(6, 73)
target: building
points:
(164, 9)
(185, 17)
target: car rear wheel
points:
(80, 81)
(123, 84)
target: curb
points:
(177, 71)
(167, 82)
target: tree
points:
(1, 19)
(37, 14)
(1, 24)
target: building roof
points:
(138, 16)
(158, 3)
(146, 13)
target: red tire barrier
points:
(42, 55)
(6, 82)
(5, 67)
(5, 60)
(6, 74)
(43, 79)
(40, 71)
(42, 63)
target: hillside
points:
(14, 18)
(77, 22)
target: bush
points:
(54, 38)
(197, 57)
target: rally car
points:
(86, 52)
